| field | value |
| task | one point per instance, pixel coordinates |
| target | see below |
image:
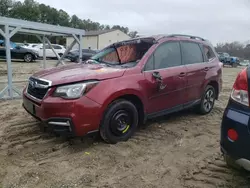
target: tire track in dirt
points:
(213, 172)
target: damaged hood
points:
(78, 72)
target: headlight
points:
(74, 91)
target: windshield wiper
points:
(99, 62)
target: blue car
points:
(235, 127)
(12, 44)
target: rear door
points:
(49, 52)
(165, 63)
(196, 70)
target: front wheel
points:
(28, 58)
(119, 122)
(207, 101)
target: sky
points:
(215, 20)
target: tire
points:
(207, 102)
(119, 122)
(28, 58)
(231, 163)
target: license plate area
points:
(29, 106)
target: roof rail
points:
(188, 36)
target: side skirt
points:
(174, 109)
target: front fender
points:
(121, 93)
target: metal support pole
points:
(8, 58)
(14, 31)
(43, 41)
(80, 49)
(9, 89)
(2, 33)
(44, 52)
(50, 45)
(66, 52)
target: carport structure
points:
(10, 26)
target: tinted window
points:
(47, 47)
(85, 51)
(209, 54)
(191, 53)
(57, 47)
(167, 55)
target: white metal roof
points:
(39, 28)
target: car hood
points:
(78, 72)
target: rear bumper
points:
(239, 150)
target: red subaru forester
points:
(125, 84)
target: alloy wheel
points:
(209, 100)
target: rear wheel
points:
(28, 58)
(119, 122)
(207, 101)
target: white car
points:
(30, 46)
(49, 53)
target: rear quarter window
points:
(208, 53)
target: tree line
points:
(236, 49)
(33, 11)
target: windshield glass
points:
(122, 54)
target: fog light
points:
(232, 135)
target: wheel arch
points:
(29, 53)
(215, 85)
(132, 96)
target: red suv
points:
(125, 84)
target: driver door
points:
(165, 78)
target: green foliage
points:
(33, 11)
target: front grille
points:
(37, 88)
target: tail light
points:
(232, 135)
(240, 88)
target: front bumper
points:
(239, 150)
(66, 117)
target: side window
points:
(56, 47)
(167, 55)
(85, 51)
(191, 53)
(47, 47)
(150, 63)
(209, 54)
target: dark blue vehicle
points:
(226, 59)
(235, 127)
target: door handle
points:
(182, 74)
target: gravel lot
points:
(180, 150)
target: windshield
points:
(122, 54)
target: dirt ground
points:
(180, 150)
